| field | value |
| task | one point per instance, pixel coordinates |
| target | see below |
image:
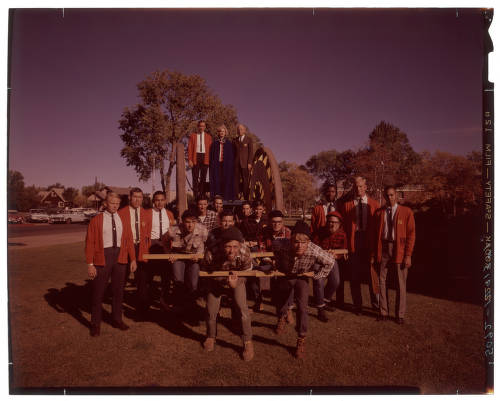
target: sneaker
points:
(248, 352)
(289, 317)
(322, 315)
(280, 327)
(300, 351)
(209, 344)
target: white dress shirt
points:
(200, 142)
(325, 207)
(393, 213)
(107, 230)
(132, 223)
(165, 223)
(364, 200)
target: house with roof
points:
(53, 198)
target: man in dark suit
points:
(358, 217)
(244, 157)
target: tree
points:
(452, 178)
(70, 194)
(29, 199)
(331, 166)
(388, 158)
(88, 190)
(171, 104)
(56, 185)
(298, 186)
(15, 188)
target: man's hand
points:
(190, 164)
(133, 266)
(232, 280)
(91, 270)
(171, 258)
(407, 262)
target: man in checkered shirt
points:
(294, 258)
(206, 217)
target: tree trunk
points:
(168, 179)
(162, 177)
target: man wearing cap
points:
(187, 237)
(108, 245)
(301, 258)
(327, 205)
(394, 239)
(330, 237)
(231, 255)
(358, 221)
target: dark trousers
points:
(254, 283)
(244, 174)
(116, 271)
(199, 171)
(360, 267)
(322, 291)
(145, 273)
(343, 275)
(298, 288)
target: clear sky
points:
(303, 80)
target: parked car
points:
(57, 217)
(14, 217)
(89, 213)
(38, 216)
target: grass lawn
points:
(438, 350)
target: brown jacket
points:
(244, 151)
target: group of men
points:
(228, 163)
(218, 240)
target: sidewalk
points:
(34, 241)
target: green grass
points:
(439, 350)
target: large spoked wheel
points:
(180, 185)
(265, 181)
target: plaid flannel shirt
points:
(268, 237)
(287, 263)
(337, 240)
(216, 259)
(210, 220)
(188, 242)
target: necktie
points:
(389, 224)
(161, 233)
(113, 224)
(136, 226)
(360, 212)
(221, 151)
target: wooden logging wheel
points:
(265, 181)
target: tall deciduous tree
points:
(298, 186)
(331, 166)
(70, 194)
(88, 190)
(15, 188)
(452, 177)
(388, 158)
(170, 105)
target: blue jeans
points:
(186, 273)
(321, 292)
(299, 287)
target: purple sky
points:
(302, 82)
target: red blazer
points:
(348, 212)
(94, 248)
(192, 148)
(146, 221)
(404, 233)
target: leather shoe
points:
(95, 331)
(322, 315)
(119, 325)
(400, 320)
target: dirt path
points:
(33, 241)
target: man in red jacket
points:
(327, 205)
(358, 218)
(198, 157)
(393, 242)
(139, 220)
(108, 245)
